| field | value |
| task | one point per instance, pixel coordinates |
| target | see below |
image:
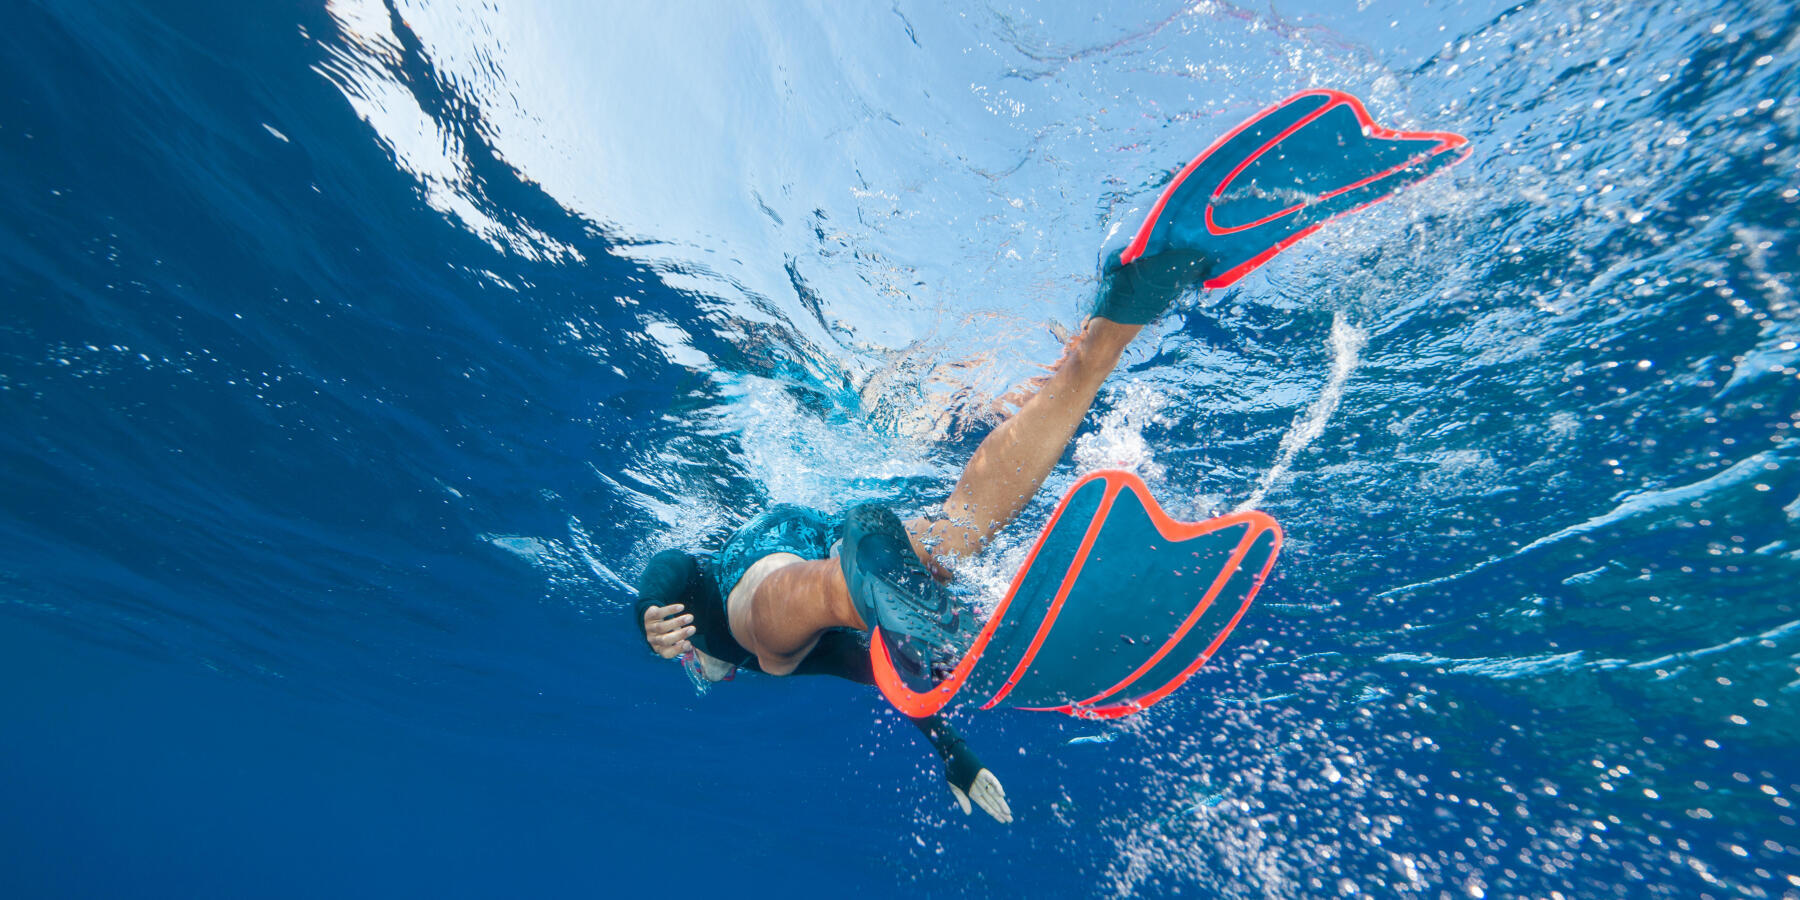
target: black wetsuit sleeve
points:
(845, 654)
(676, 577)
(961, 765)
(842, 653)
(666, 579)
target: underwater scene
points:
(357, 356)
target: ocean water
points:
(354, 357)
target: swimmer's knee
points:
(785, 663)
(777, 665)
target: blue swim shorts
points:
(784, 528)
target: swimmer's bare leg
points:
(798, 602)
(792, 607)
(1013, 461)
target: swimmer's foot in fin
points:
(1268, 183)
(909, 612)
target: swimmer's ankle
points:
(1096, 353)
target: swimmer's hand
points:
(668, 630)
(987, 793)
(970, 780)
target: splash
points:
(1118, 442)
(1346, 344)
(827, 460)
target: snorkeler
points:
(774, 600)
(796, 591)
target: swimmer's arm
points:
(969, 779)
(846, 655)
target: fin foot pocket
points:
(910, 613)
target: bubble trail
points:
(1346, 344)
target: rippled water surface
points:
(355, 357)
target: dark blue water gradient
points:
(256, 403)
(322, 461)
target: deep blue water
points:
(354, 358)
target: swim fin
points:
(908, 613)
(1271, 181)
(1117, 606)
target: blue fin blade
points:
(1271, 181)
(1117, 605)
